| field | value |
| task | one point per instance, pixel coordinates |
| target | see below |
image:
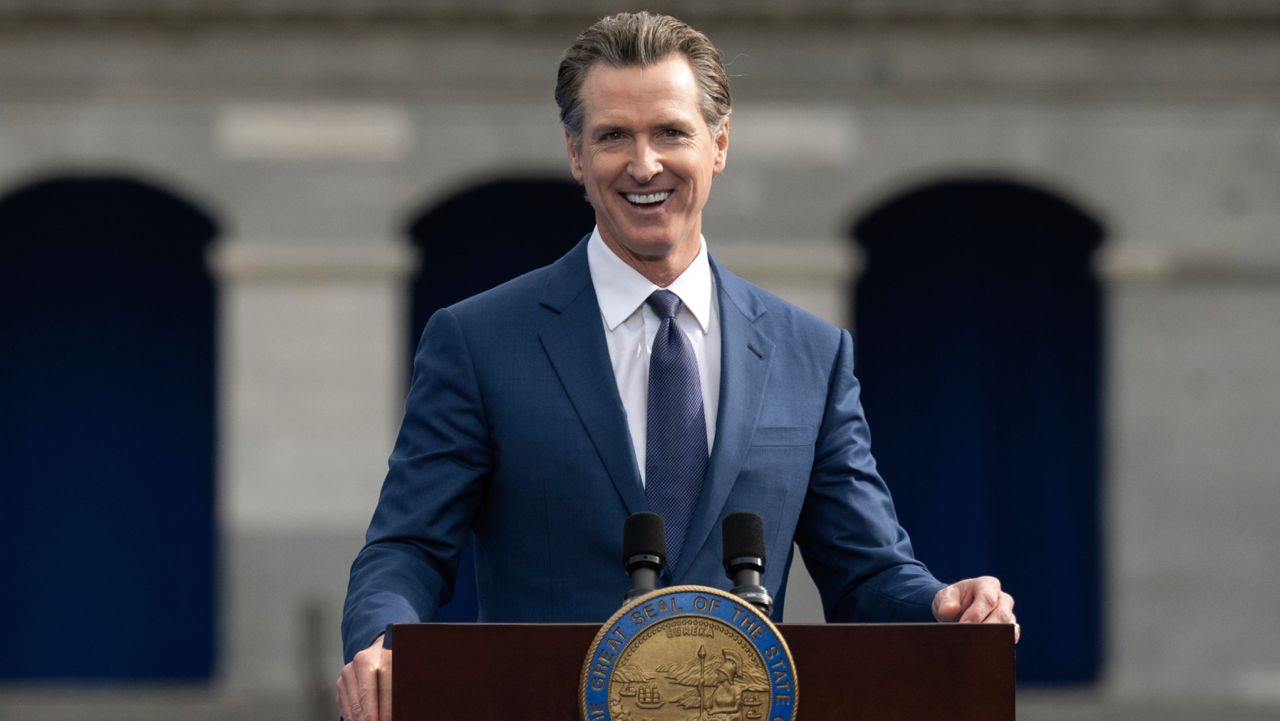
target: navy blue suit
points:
(514, 430)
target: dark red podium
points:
(846, 672)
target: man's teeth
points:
(648, 198)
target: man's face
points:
(647, 159)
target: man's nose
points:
(644, 163)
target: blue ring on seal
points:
(687, 601)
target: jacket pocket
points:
(783, 436)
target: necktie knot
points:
(664, 303)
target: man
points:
(545, 411)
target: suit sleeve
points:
(434, 482)
(848, 532)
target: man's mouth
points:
(643, 200)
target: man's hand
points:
(364, 686)
(976, 600)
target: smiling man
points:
(633, 374)
(647, 156)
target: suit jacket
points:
(514, 433)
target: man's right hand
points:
(364, 686)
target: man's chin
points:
(649, 248)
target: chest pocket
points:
(780, 458)
(767, 436)
(774, 477)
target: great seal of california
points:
(688, 653)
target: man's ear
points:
(722, 146)
(575, 163)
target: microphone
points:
(644, 552)
(744, 558)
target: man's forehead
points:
(665, 88)
(657, 113)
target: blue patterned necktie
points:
(676, 449)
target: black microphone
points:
(644, 552)
(744, 558)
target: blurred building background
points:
(1054, 228)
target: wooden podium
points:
(845, 672)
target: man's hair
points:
(640, 39)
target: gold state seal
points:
(688, 653)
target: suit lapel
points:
(574, 341)
(744, 367)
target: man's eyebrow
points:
(679, 124)
(680, 121)
(603, 128)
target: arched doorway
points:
(107, 376)
(979, 348)
(474, 240)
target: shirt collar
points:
(620, 289)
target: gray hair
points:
(640, 39)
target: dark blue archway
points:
(474, 240)
(979, 348)
(107, 434)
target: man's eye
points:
(612, 135)
(672, 133)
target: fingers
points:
(384, 688)
(354, 702)
(358, 692)
(976, 600)
(367, 678)
(946, 603)
(984, 596)
(1003, 613)
(364, 686)
(348, 698)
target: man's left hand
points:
(976, 600)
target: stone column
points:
(313, 370)
(1191, 497)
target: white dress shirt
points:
(630, 326)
